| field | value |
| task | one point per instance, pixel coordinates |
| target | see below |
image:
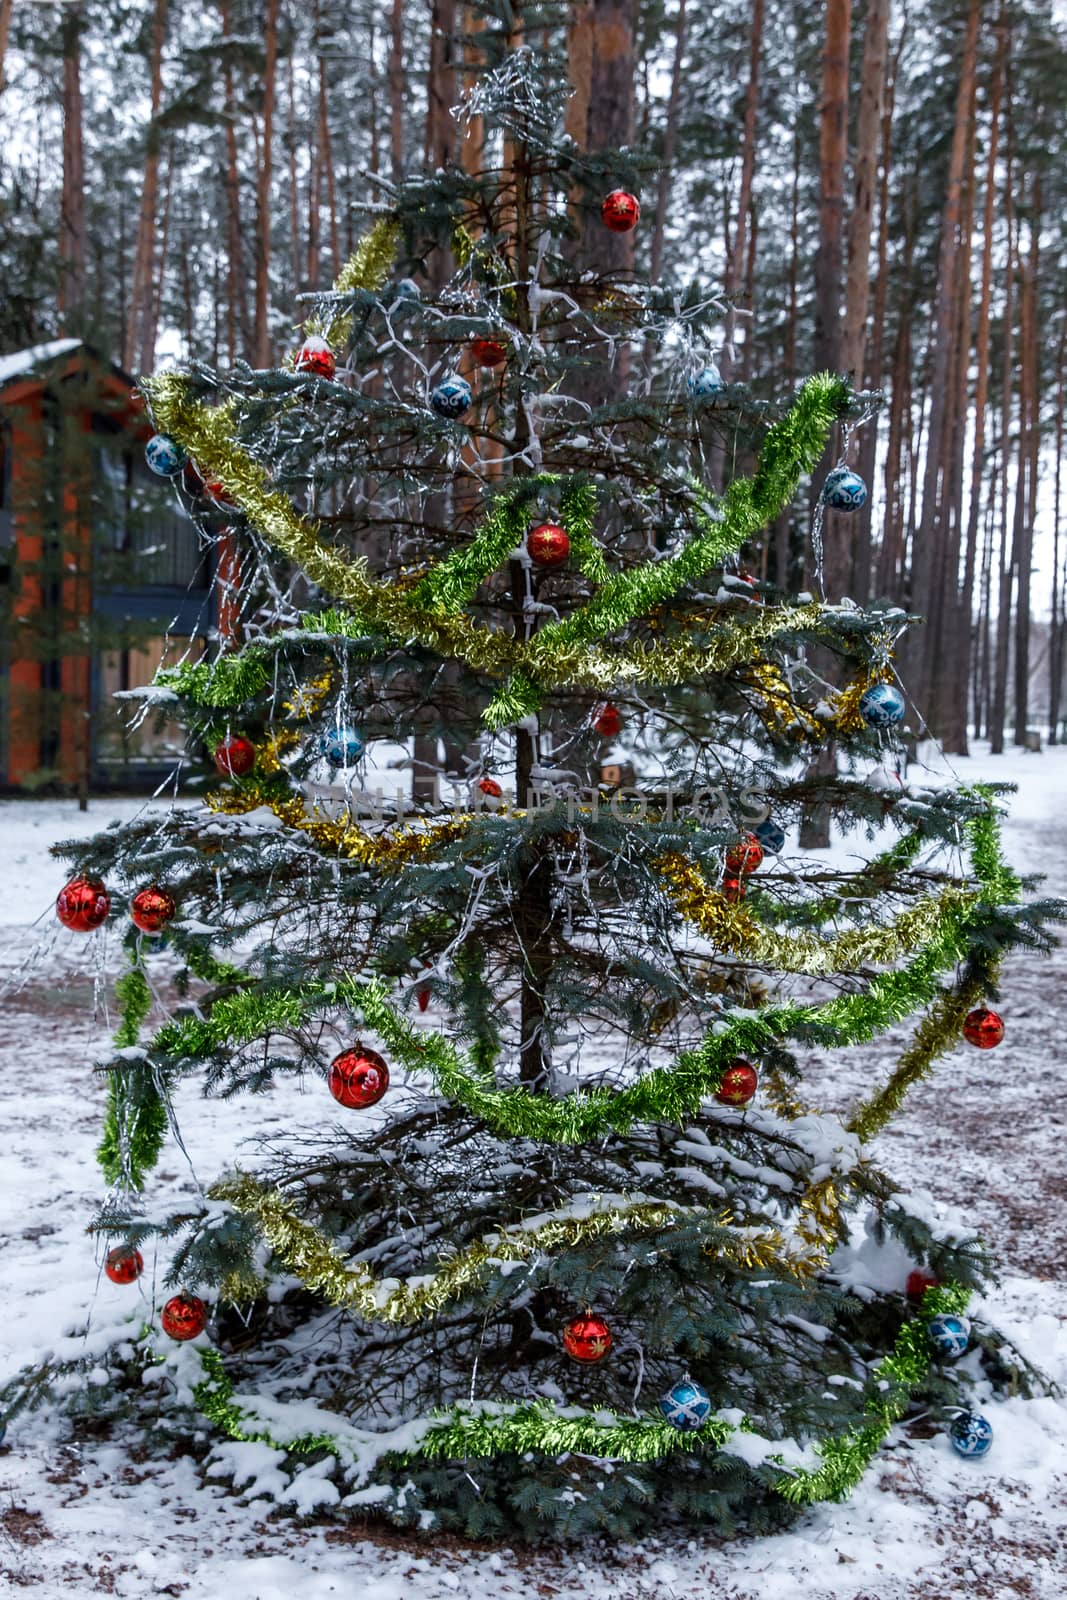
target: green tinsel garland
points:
(462, 1433)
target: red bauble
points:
(315, 358)
(124, 1264)
(235, 756)
(744, 856)
(214, 490)
(733, 889)
(918, 1283)
(490, 787)
(548, 544)
(620, 210)
(83, 904)
(739, 1083)
(489, 352)
(151, 909)
(608, 721)
(423, 997)
(358, 1077)
(983, 1027)
(587, 1338)
(184, 1316)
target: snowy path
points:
(84, 1517)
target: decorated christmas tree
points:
(559, 1243)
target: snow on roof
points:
(14, 366)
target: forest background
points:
(874, 188)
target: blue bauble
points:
(844, 490)
(706, 382)
(882, 706)
(165, 455)
(406, 289)
(342, 747)
(971, 1434)
(687, 1406)
(949, 1335)
(770, 836)
(452, 397)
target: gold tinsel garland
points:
(733, 929)
(343, 837)
(322, 1269)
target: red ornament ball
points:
(733, 890)
(983, 1027)
(620, 210)
(124, 1264)
(587, 1338)
(918, 1283)
(184, 1316)
(739, 1083)
(489, 352)
(151, 909)
(423, 998)
(608, 721)
(235, 757)
(214, 490)
(744, 856)
(358, 1077)
(83, 904)
(490, 787)
(548, 544)
(315, 358)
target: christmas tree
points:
(567, 1249)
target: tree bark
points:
(923, 655)
(865, 176)
(397, 90)
(600, 113)
(72, 231)
(441, 131)
(833, 150)
(1056, 624)
(140, 346)
(736, 248)
(999, 699)
(236, 306)
(263, 341)
(670, 143)
(5, 29)
(1029, 460)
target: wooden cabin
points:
(102, 576)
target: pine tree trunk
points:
(924, 653)
(670, 143)
(263, 341)
(736, 248)
(833, 151)
(441, 87)
(236, 308)
(1056, 624)
(600, 113)
(1029, 461)
(295, 230)
(397, 90)
(72, 232)
(999, 699)
(140, 346)
(5, 29)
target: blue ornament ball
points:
(452, 397)
(687, 1406)
(706, 382)
(165, 455)
(770, 836)
(949, 1335)
(342, 747)
(882, 706)
(844, 490)
(406, 289)
(971, 1434)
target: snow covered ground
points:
(91, 1517)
